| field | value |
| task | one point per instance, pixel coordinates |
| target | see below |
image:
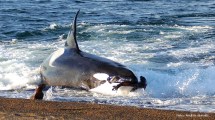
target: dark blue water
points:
(170, 42)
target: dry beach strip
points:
(20, 109)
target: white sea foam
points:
(109, 29)
(53, 26)
(198, 29)
(190, 82)
(18, 76)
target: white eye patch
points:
(101, 76)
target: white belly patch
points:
(55, 55)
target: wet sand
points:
(25, 109)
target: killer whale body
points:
(71, 67)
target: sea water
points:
(170, 42)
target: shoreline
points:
(16, 108)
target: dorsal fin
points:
(71, 41)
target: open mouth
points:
(127, 82)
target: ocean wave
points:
(188, 82)
(55, 26)
(12, 79)
(46, 33)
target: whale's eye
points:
(109, 78)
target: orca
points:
(74, 68)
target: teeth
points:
(114, 79)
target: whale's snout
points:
(142, 82)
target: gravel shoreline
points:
(13, 108)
